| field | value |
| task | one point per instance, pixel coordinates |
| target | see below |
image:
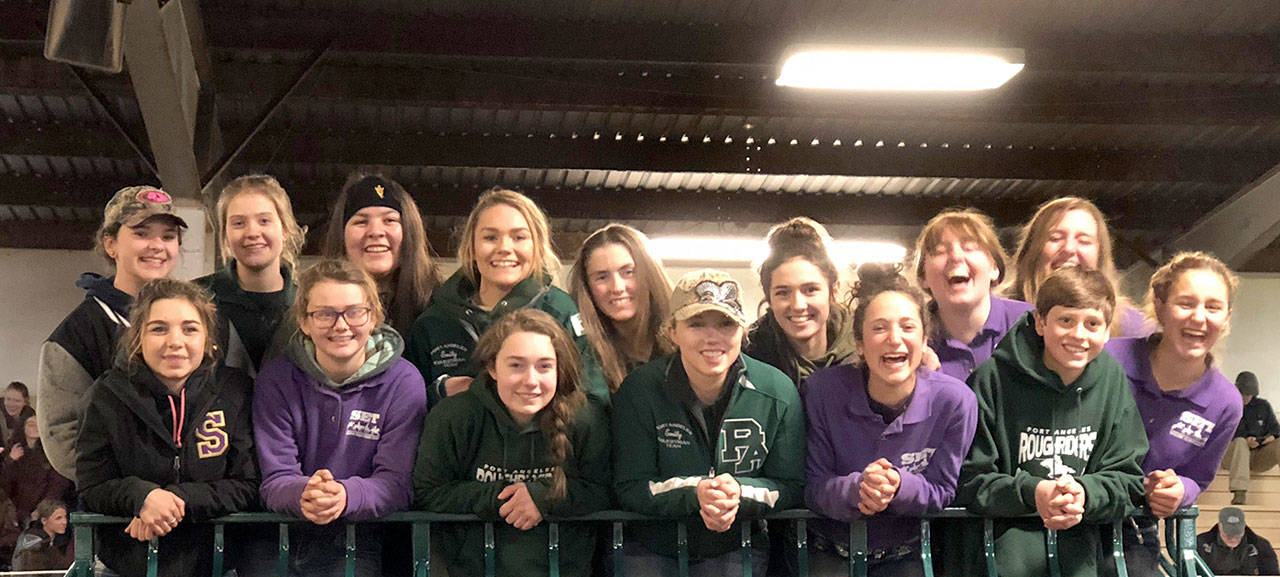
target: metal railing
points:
(1180, 540)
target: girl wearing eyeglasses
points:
(337, 420)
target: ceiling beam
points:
(1242, 226)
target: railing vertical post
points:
(802, 546)
(490, 560)
(744, 547)
(350, 570)
(1051, 545)
(857, 548)
(83, 534)
(618, 571)
(554, 549)
(218, 549)
(926, 547)
(682, 549)
(282, 552)
(1117, 548)
(1186, 546)
(421, 549)
(153, 557)
(989, 546)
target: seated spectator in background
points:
(1253, 450)
(1232, 548)
(337, 419)
(1058, 433)
(9, 530)
(165, 437)
(27, 477)
(37, 549)
(17, 405)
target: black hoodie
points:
(80, 350)
(127, 448)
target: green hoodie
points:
(444, 337)
(471, 450)
(1031, 428)
(767, 342)
(662, 448)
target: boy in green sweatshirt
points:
(1058, 433)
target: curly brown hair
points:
(129, 353)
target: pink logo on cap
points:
(154, 196)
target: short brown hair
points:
(968, 224)
(1077, 288)
(1162, 280)
(129, 354)
(339, 271)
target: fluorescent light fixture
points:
(894, 68)
(754, 250)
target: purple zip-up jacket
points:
(366, 432)
(1188, 430)
(926, 444)
(959, 359)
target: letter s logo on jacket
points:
(212, 435)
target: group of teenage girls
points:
(363, 385)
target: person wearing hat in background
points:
(140, 237)
(1253, 450)
(1232, 548)
(705, 431)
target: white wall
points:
(1254, 342)
(37, 290)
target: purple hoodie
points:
(365, 432)
(959, 359)
(1188, 430)
(925, 444)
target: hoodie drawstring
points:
(179, 415)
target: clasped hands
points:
(718, 499)
(519, 510)
(879, 485)
(1164, 492)
(161, 512)
(1060, 502)
(323, 499)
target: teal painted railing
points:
(1180, 538)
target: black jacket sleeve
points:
(102, 484)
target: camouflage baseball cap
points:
(707, 290)
(134, 204)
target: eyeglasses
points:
(356, 316)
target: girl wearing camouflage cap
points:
(706, 433)
(140, 236)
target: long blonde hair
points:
(1029, 276)
(267, 186)
(545, 261)
(601, 331)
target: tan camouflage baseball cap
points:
(134, 204)
(707, 290)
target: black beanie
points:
(1247, 384)
(369, 191)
